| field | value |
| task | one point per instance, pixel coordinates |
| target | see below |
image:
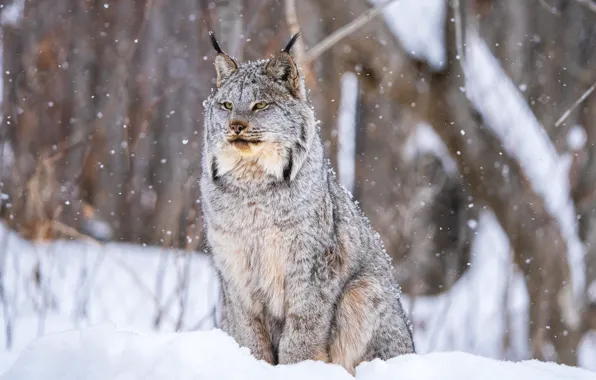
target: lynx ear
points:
(225, 66)
(282, 68)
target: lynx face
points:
(259, 116)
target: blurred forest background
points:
(102, 127)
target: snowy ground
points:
(69, 285)
(104, 353)
(66, 285)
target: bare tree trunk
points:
(584, 196)
(325, 76)
(99, 103)
(38, 120)
(380, 165)
(12, 78)
(175, 138)
(114, 44)
(548, 48)
(81, 67)
(539, 247)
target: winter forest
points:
(464, 129)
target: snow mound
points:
(103, 353)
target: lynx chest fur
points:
(251, 253)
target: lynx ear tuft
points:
(291, 43)
(282, 68)
(225, 66)
(215, 43)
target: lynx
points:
(303, 275)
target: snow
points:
(104, 352)
(490, 293)
(425, 140)
(591, 293)
(125, 285)
(418, 24)
(587, 351)
(576, 138)
(12, 14)
(346, 127)
(65, 285)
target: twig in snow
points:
(507, 344)
(206, 317)
(439, 324)
(87, 283)
(344, 31)
(5, 308)
(135, 277)
(179, 293)
(576, 104)
(46, 291)
(183, 289)
(81, 295)
(182, 285)
(159, 281)
(412, 305)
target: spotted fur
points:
(303, 274)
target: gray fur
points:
(303, 275)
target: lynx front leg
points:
(309, 307)
(248, 330)
(305, 333)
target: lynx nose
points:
(237, 127)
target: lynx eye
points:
(227, 105)
(260, 106)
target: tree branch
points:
(551, 9)
(576, 104)
(342, 32)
